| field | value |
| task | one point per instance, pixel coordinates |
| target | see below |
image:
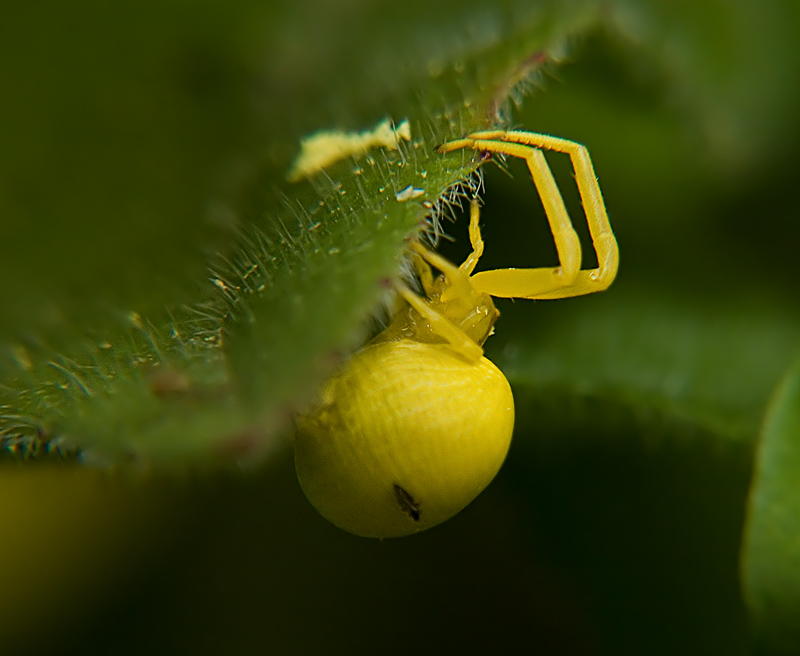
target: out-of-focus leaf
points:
(709, 368)
(122, 125)
(771, 556)
(726, 66)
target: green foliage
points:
(170, 296)
(665, 358)
(771, 557)
(299, 266)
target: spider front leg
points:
(566, 280)
(475, 238)
(441, 325)
(454, 311)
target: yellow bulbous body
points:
(406, 435)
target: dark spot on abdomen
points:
(406, 502)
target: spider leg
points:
(423, 270)
(458, 277)
(458, 281)
(422, 258)
(441, 325)
(545, 282)
(605, 244)
(468, 266)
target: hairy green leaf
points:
(300, 265)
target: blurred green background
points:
(616, 525)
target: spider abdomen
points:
(406, 435)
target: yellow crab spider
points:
(418, 422)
